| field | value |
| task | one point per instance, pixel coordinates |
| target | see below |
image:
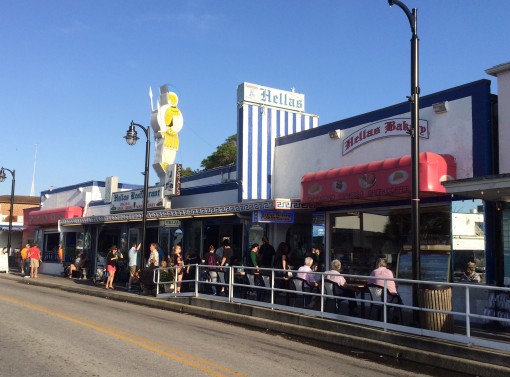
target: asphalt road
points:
(48, 332)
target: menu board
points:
(433, 266)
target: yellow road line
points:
(204, 365)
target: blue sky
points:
(74, 74)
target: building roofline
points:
(494, 71)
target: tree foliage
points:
(225, 154)
(187, 171)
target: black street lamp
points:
(415, 136)
(131, 138)
(2, 178)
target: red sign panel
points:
(378, 180)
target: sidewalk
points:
(447, 355)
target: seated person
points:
(305, 272)
(335, 276)
(470, 275)
(79, 262)
(378, 277)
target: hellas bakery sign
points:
(384, 128)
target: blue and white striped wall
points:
(257, 128)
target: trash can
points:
(438, 297)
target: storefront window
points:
(73, 243)
(318, 237)
(357, 239)
(192, 236)
(255, 233)
(468, 237)
(50, 247)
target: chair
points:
(376, 295)
(329, 289)
(255, 282)
(301, 285)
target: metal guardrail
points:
(466, 313)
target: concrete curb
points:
(432, 352)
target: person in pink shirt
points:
(305, 272)
(380, 273)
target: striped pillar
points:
(257, 128)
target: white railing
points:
(467, 313)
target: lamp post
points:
(415, 135)
(2, 178)
(131, 138)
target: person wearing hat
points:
(470, 275)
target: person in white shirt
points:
(133, 262)
(334, 274)
(154, 255)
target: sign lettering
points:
(384, 128)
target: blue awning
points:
(15, 228)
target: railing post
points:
(385, 299)
(156, 272)
(197, 274)
(230, 283)
(322, 293)
(468, 314)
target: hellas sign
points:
(263, 95)
(382, 129)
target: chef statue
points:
(166, 121)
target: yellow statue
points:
(166, 122)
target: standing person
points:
(34, 253)
(267, 253)
(133, 262)
(281, 261)
(24, 256)
(154, 255)
(252, 260)
(179, 264)
(111, 259)
(212, 260)
(161, 254)
(60, 253)
(219, 250)
(225, 261)
(228, 253)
